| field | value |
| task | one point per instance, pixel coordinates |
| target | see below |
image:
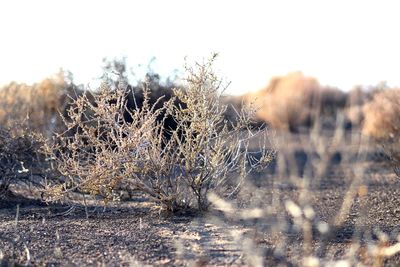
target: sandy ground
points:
(137, 233)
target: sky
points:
(342, 43)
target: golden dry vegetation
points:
(293, 101)
(231, 193)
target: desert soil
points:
(137, 233)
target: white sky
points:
(341, 43)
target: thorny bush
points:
(203, 153)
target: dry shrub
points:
(37, 105)
(382, 122)
(20, 158)
(295, 100)
(14, 101)
(235, 103)
(382, 119)
(108, 152)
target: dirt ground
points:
(137, 233)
